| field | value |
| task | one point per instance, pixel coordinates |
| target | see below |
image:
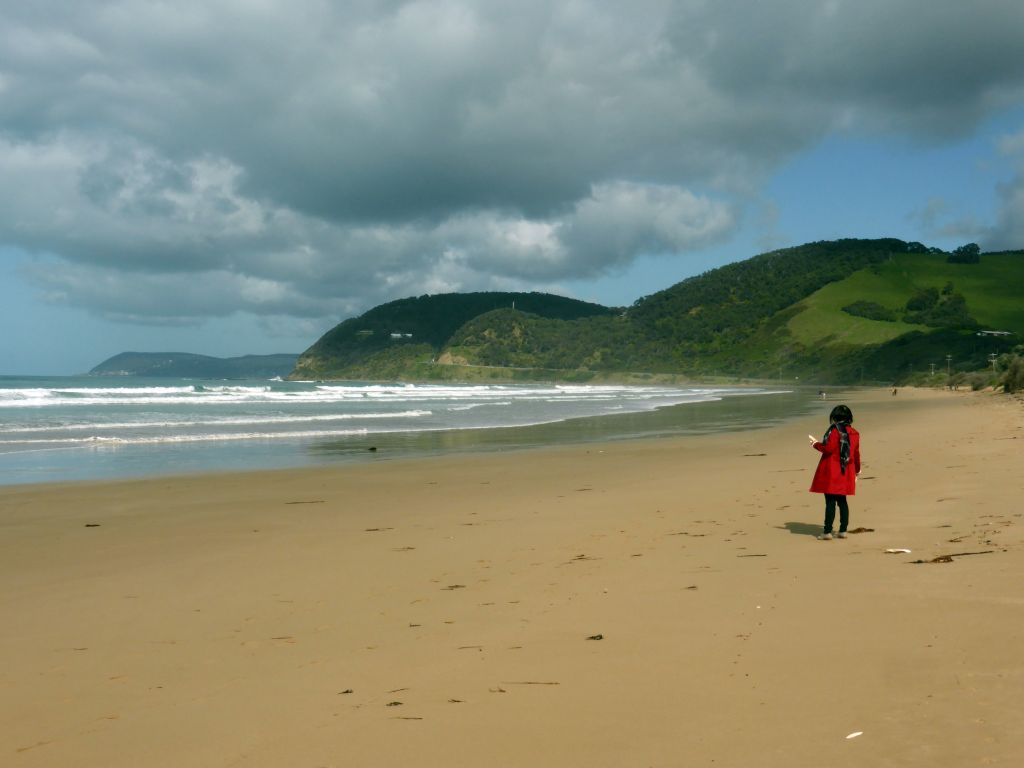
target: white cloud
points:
(622, 220)
(1008, 233)
(1012, 145)
(940, 219)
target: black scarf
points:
(844, 444)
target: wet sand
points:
(649, 603)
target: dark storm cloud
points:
(932, 67)
(320, 157)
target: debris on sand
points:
(949, 558)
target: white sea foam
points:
(471, 406)
(189, 438)
(81, 397)
(217, 422)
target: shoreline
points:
(439, 610)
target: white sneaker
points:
(825, 537)
(841, 534)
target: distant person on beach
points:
(838, 467)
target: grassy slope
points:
(993, 290)
(823, 317)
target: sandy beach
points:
(655, 603)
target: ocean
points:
(55, 429)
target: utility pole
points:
(933, 368)
(992, 359)
(949, 359)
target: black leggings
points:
(831, 499)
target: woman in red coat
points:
(836, 474)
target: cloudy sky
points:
(237, 176)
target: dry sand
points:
(437, 612)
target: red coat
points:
(828, 477)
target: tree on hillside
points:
(924, 299)
(871, 310)
(945, 310)
(965, 254)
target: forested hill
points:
(385, 340)
(845, 310)
(726, 305)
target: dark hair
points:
(841, 414)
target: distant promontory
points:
(184, 365)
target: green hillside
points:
(728, 304)
(822, 317)
(824, 336)
(993, 289)
(390, 339)
(838, 311)
(513, 339)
